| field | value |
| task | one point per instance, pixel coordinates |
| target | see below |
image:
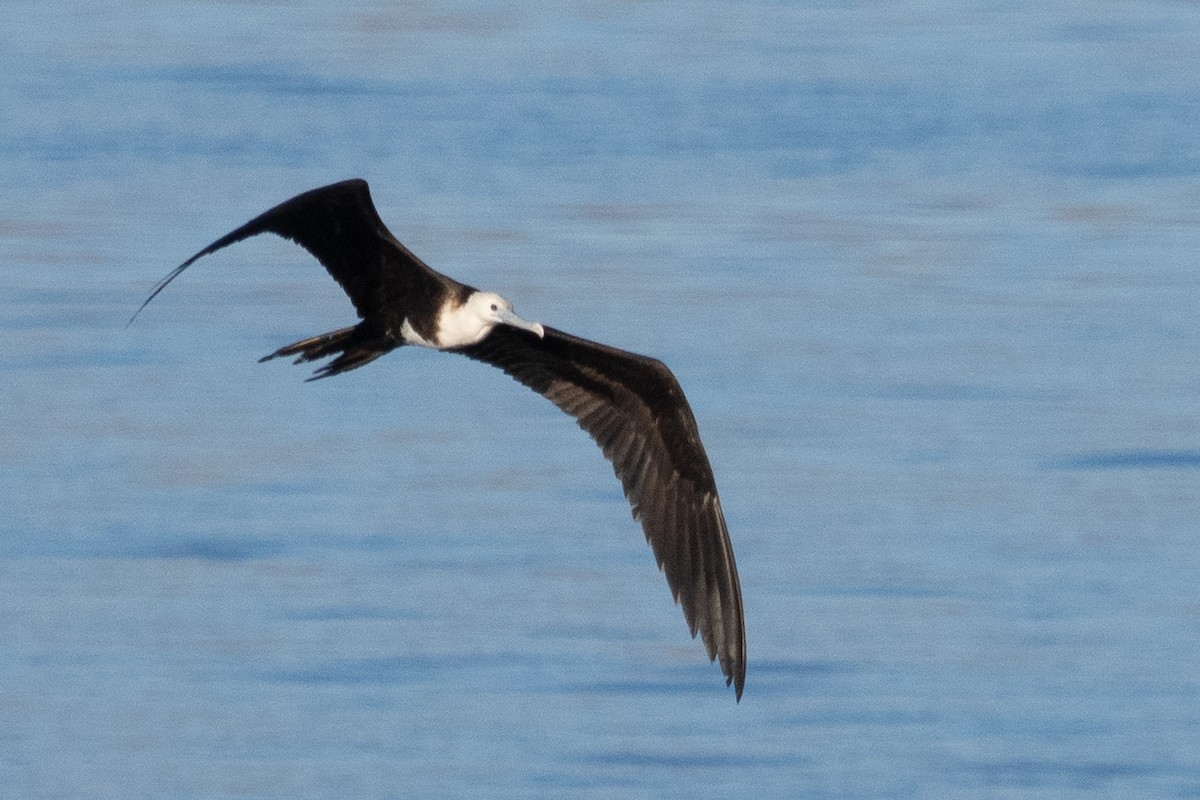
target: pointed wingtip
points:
(145, 303)
(158, 287)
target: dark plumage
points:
(631, 405)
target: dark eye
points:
(494, 308)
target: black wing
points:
(340, 226)
(635, 410)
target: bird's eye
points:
(494, 307)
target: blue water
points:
(927, 272)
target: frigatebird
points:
(631, 405)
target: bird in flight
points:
(631, 405)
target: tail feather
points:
(353, 347)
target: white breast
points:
(462, 326)
(457, 327)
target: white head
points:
(474, 319)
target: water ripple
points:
(1130, 459)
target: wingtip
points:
(162, 284)
(142, 307)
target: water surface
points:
(925, 270)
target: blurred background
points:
(926, 271)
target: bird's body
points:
(631, 405)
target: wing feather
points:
(634, 409)
(338, 224)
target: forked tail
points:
(353, 347)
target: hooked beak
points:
(511, 319)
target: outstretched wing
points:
(340, 226)
(635, 410)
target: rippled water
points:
(926, 271)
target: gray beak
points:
(509, 318)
